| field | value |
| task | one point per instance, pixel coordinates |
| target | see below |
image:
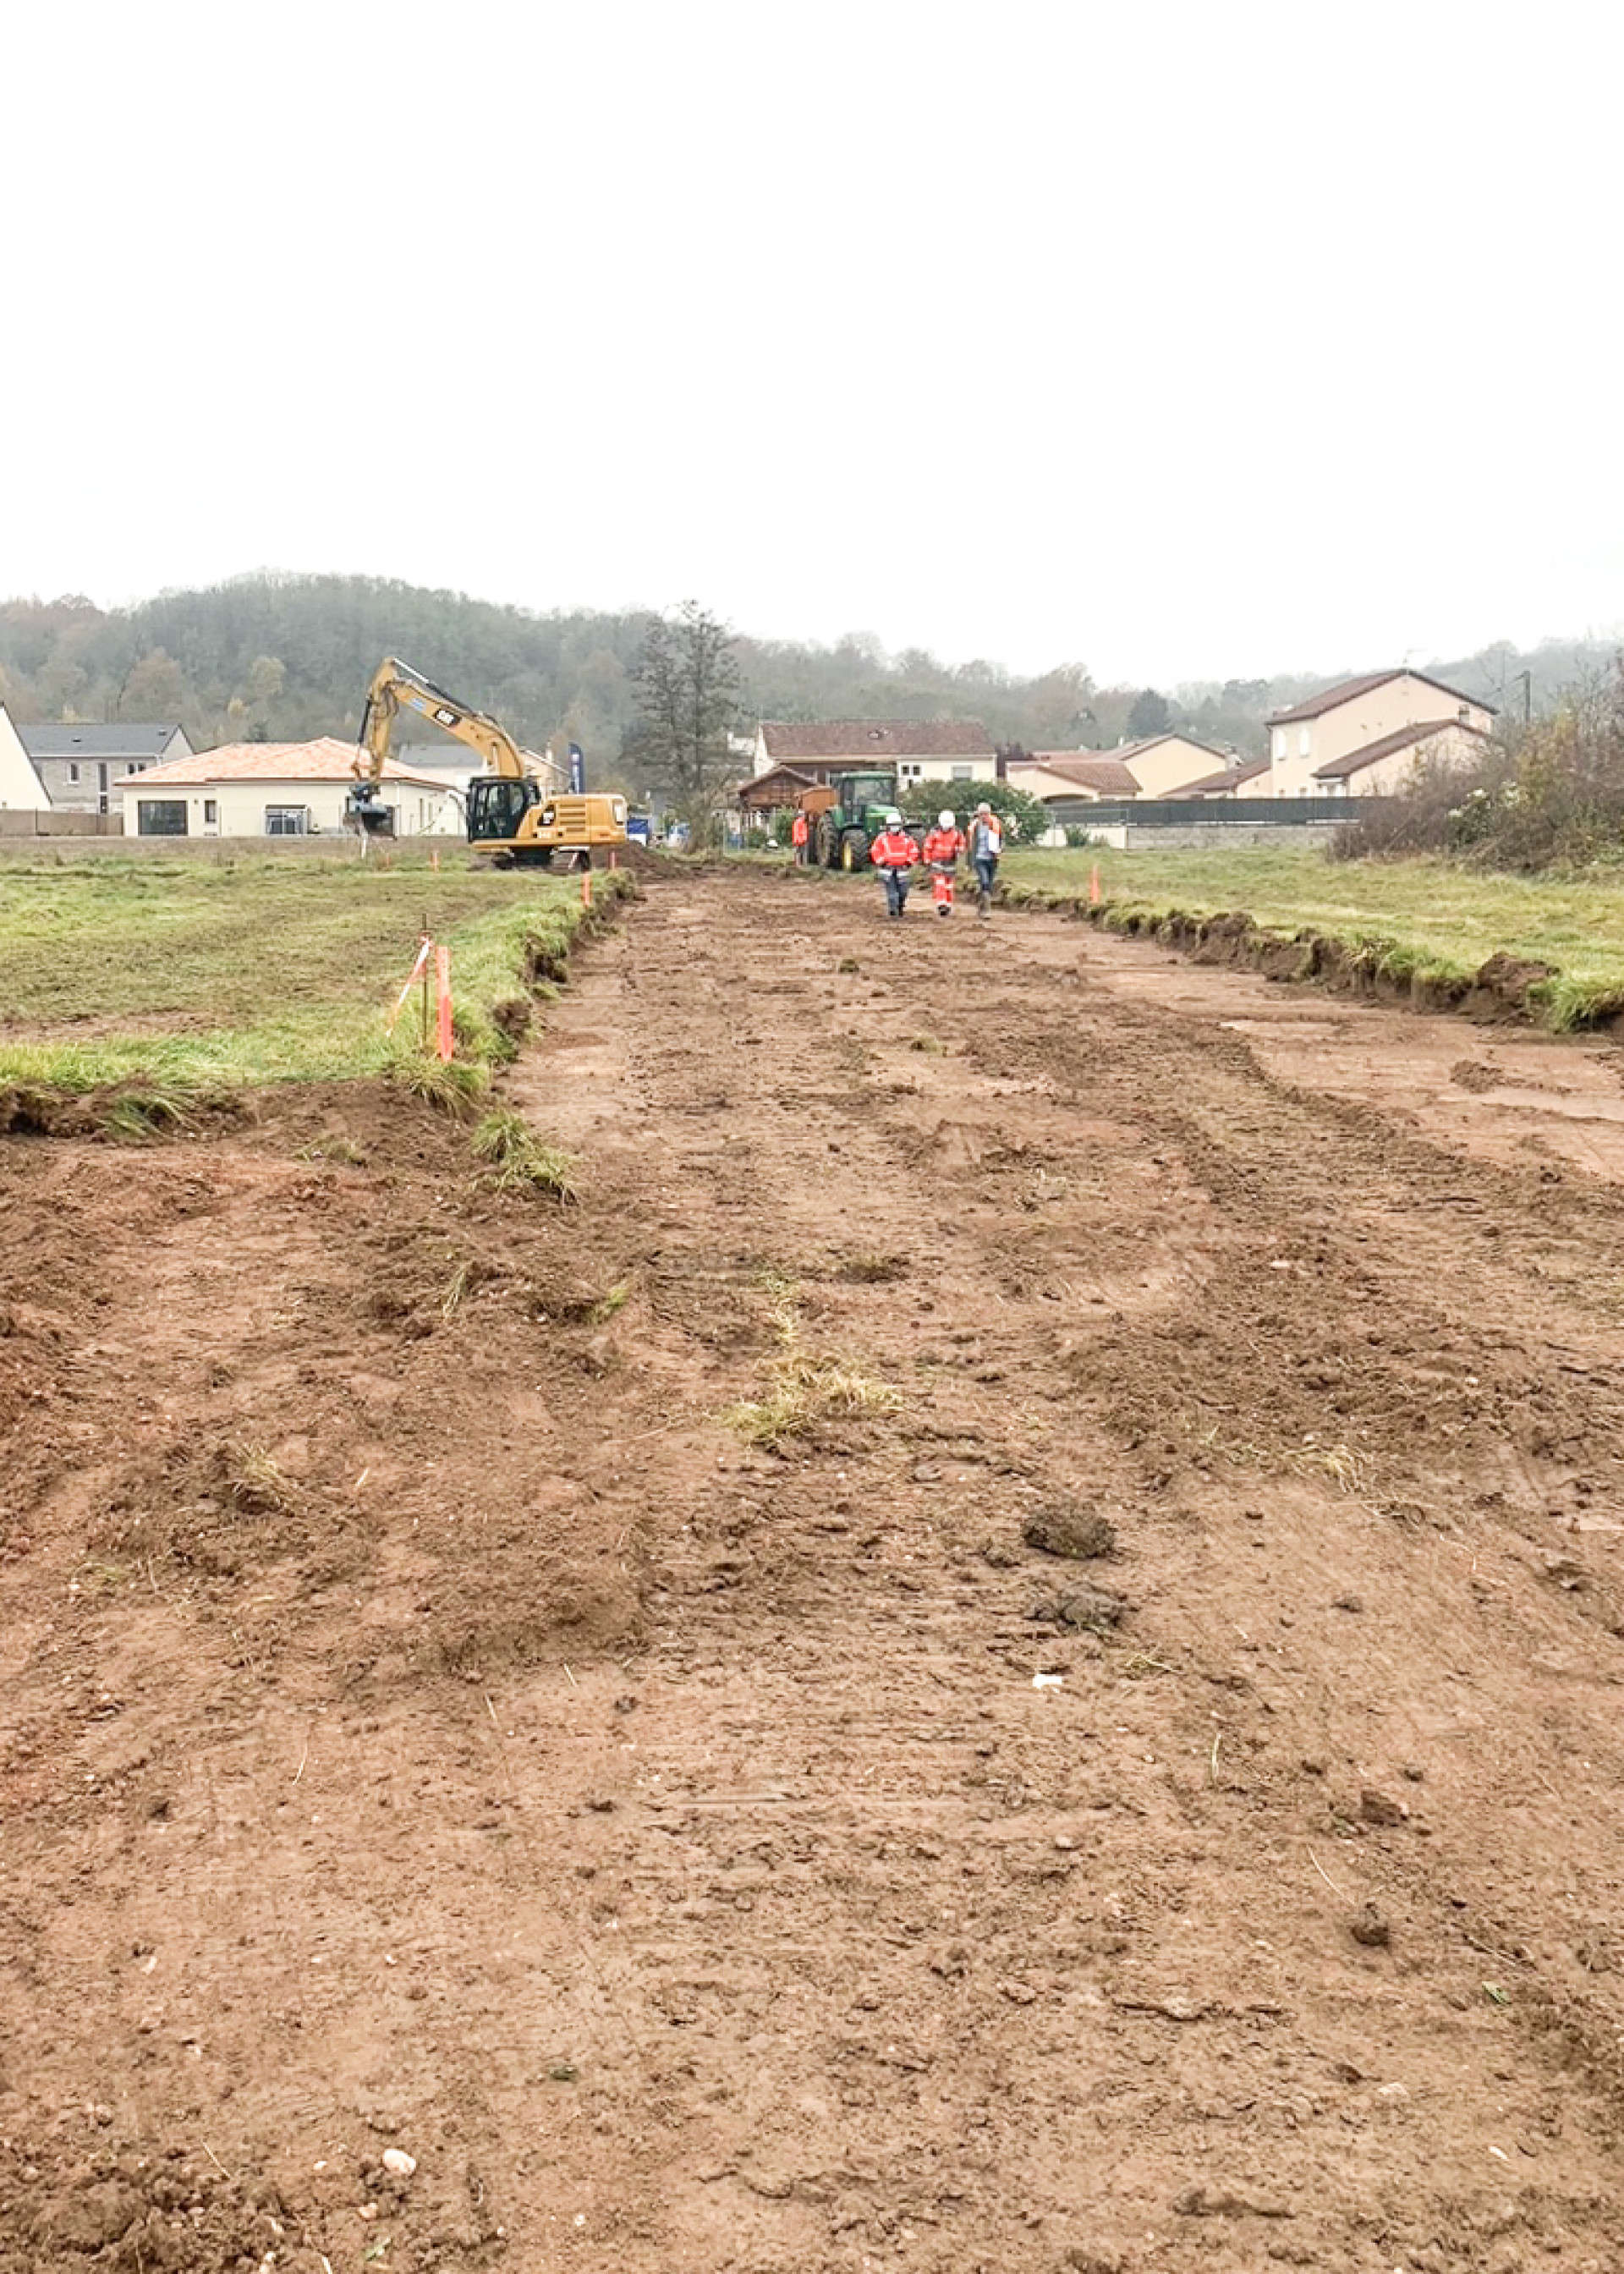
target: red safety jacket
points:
(945, 845)
(893, 848)
(798, 832)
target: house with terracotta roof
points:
(1236, 780)
(1092, 774)
(277, 789)
(1150, 768)
(1365, 737)
(921, 750)
(79, 762)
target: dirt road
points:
(426, 1726)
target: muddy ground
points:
(427, 1726)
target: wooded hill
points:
(281, 658)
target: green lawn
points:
(1426, 914)
(196, 976)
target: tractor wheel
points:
(823, 842)
(854, 852)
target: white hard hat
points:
(945, 819)
(893, 817)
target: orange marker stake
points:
(586, 888)
(433, 859)
(1093, 885)
(442, 978)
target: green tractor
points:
(847, 816)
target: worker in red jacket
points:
(942, 848)
(799, 834)
(893, 854)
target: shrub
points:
(1547, 795)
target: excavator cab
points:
(497, 805)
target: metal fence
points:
(1212, 812)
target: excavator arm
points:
(395, 688)
(515, 810)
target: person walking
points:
(943, 847)
(798, 833)
(893, 854)
(985, 846)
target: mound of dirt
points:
(1070, 1527)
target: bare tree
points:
(687, 680)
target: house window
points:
(1304, 738)
(1280, 742)
(964, 773)
(72, 773)
(211, 810)
(161, 816)
(287, 820)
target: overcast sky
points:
(1175, 340)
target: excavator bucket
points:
(366, 815)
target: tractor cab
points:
(847, 816)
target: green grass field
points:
(1426, 917)
(194, 977)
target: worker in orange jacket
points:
(799, 834)
(942, 848)
(893, 854)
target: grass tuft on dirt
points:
(806, 1389)
(519, 1159)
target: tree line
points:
(282, 658)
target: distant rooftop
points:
(880, 739)
(77, 738)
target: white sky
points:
(1177, 339)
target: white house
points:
(921, 750)
(21, 790)
(1364, 737)
(80, 764)
(277, 789)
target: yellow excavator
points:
(514, 811)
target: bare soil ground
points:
(425, 1726)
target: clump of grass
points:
(929, 1045)
(258, 1486)
(1347, 1469)
(452, 1084)
(868, 1267)
(806, 1388)
(142, 1112)
(520, 1159)
(848, 963)
(604, 1309)
(1567, 1004)
(331, 1149)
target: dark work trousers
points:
(897, 881)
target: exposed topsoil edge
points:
(134, 1108)
(1504, 987)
